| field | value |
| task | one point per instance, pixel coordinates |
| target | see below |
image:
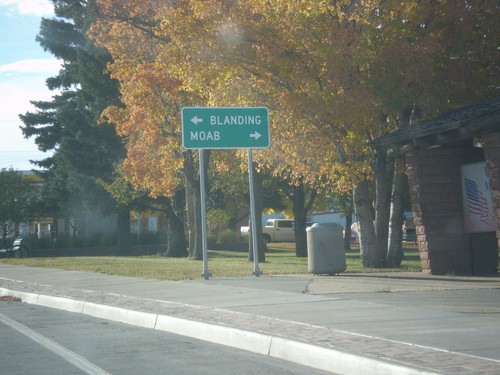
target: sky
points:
(24, 67)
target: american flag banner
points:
(477, 205)
(476, 202)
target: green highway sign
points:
(225, 127)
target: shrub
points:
(230, 240)
(212, 242)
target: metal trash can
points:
(325, 248)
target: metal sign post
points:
(201, 158)
(256, 270)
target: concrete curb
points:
(302, 353)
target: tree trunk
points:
(123, 232)
(193, 206)
(374, 221)
(300, 221)
(176, 240)
(190, 212)
(300, 210)
(395, 248)
(297, 194)
(261, 246)
(364, 214)
(382, 208)
(375, 248)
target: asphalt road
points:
(397, 323)
(38, 340)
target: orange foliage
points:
(328, 71)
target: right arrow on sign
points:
(255, 135)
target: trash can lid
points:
(324, 226)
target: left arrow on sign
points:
(196, 120)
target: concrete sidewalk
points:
(394, 323)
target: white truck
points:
(276, 230)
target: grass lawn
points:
(280, 260)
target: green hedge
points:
(228, 240)
(97, 240)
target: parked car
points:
(277, 230)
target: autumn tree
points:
(157, 61)
(152, 97)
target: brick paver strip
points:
(408, 354)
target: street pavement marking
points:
(66, 354)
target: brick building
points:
(436, 153)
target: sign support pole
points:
(256, 270)
(201, 158)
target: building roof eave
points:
(453, 126)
